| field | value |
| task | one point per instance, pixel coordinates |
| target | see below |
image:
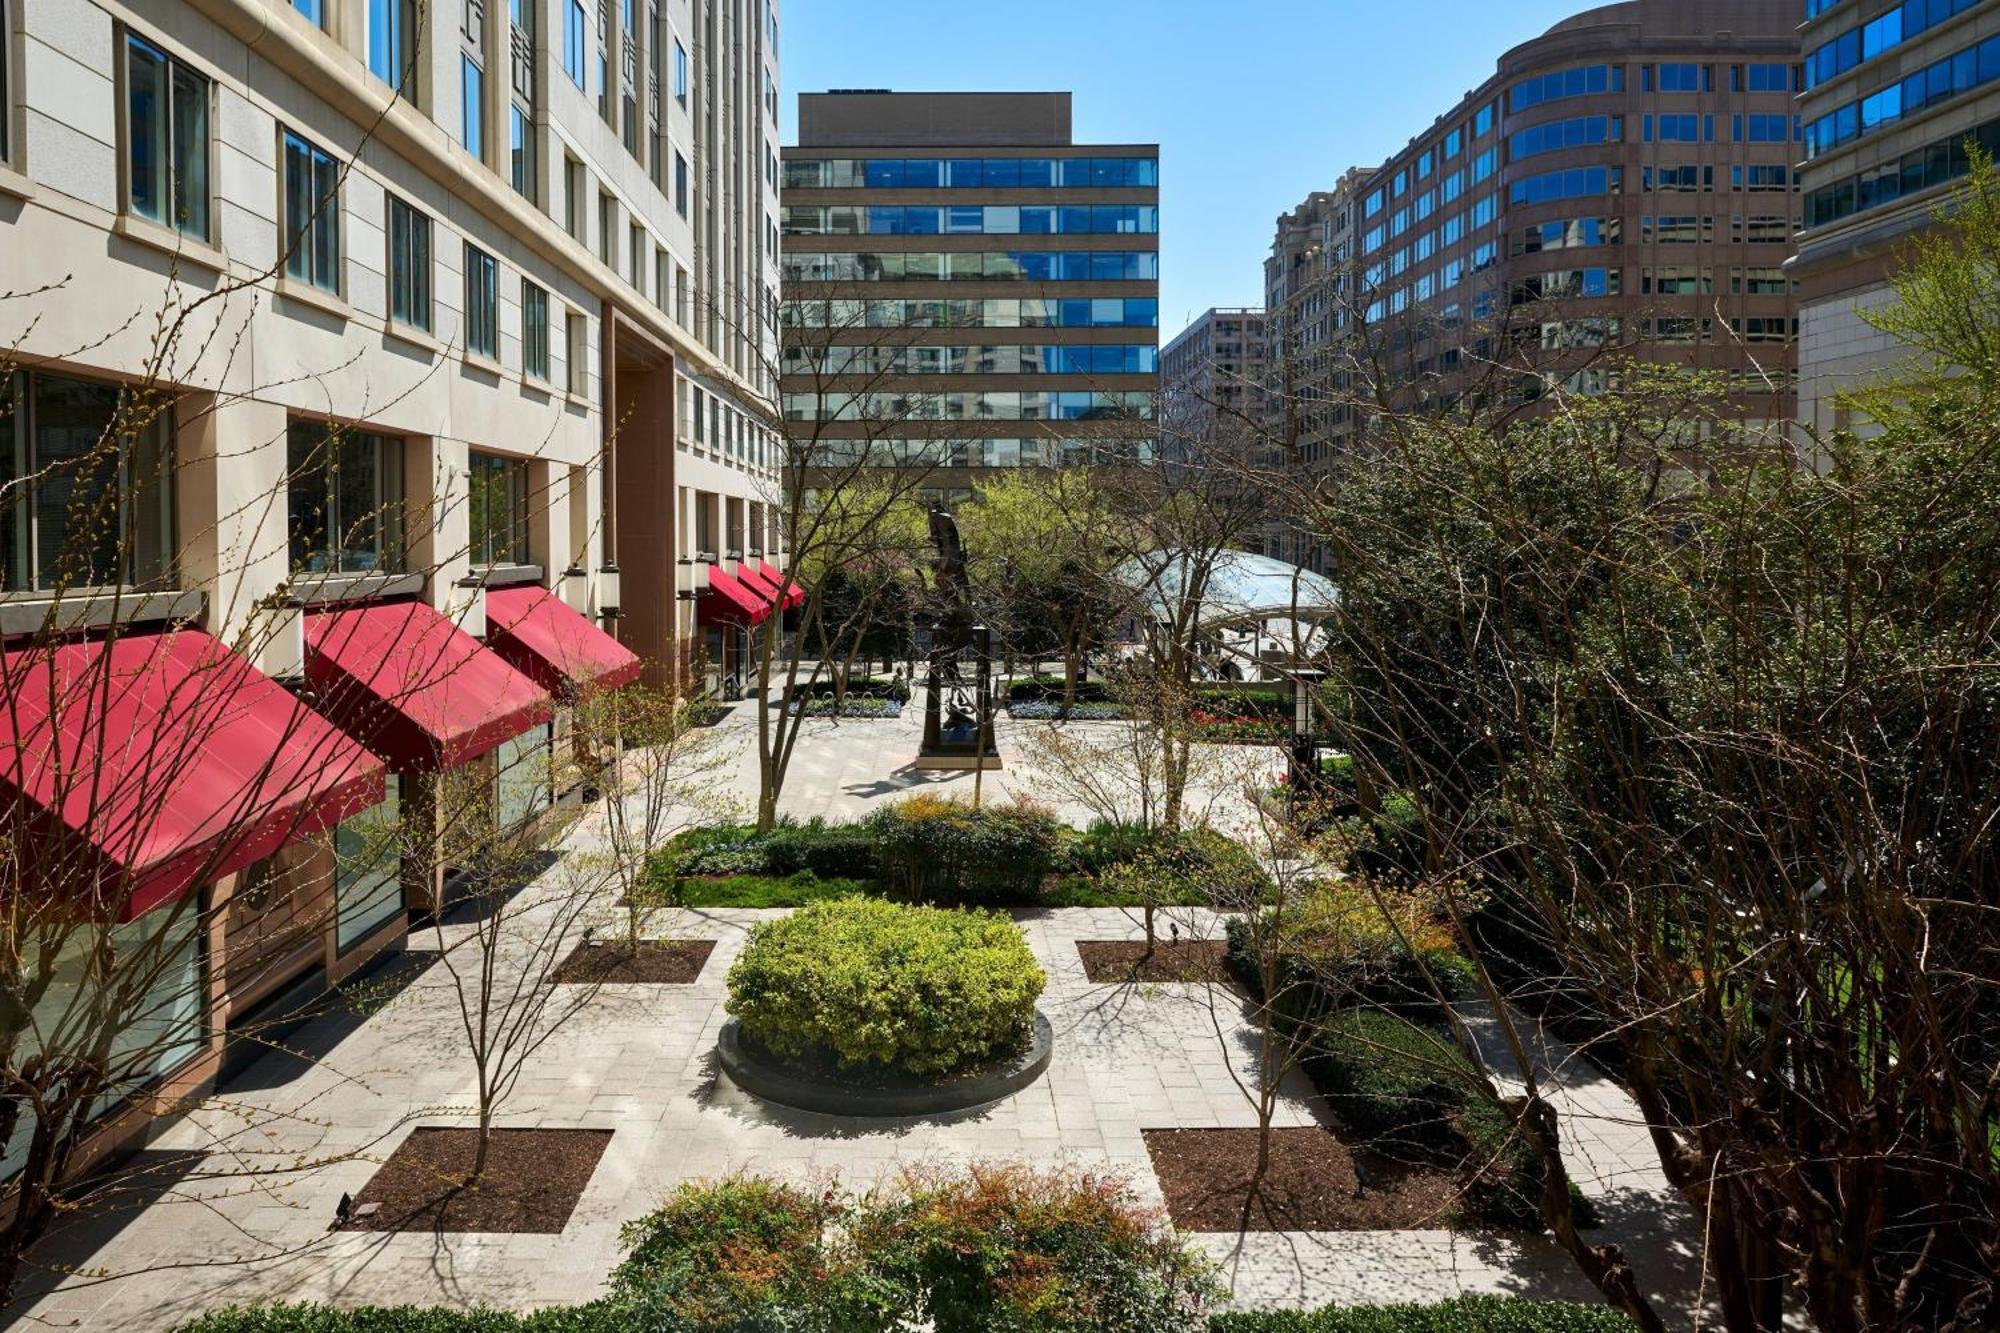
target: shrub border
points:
(772, 1081)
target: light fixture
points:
(608, 601)
(283, 652)
(576, 586)
(693, 578)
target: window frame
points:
(7, 83)
(170, 168)
(395, 50)
(20, 457)
(379, 889)
(576, 353)
(534, 350)
(511, 474)
(420, 278)
(389, 536)
(481, 312)
(317, 225)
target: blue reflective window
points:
(575, 42)
(1037, 173)
(884, 173)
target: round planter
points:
(764, 1075)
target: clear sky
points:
(1254, 103)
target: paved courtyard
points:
(639, 1062)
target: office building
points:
(966, 287)
(1622, 184)
(1215, 372)
(1309, 285)
(1893, 95)
(473, 303)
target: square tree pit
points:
(532, 1181)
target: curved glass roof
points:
(1240, 586)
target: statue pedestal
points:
(959, 763)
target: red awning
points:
(731, 602)
(542, 638)
(167, 760)
(794, 594)
(752, 577)
(415, 688)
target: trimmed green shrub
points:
(1386, 1078)
(596, 1317)
(752, 1254)
(1465, 1314)
(1049, 689)
(830, 851)
(919, 989)
(1003, 1248)
(1105, 844)
(931, 849)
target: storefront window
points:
(97, 509)
(524, 777)
(499, 509)
(368, 884)
(346, 500)
(151, 999)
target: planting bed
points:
(1121, 961)
(1310, 1185)
(532, 1181)
(612, 962)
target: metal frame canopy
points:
(1240, 587)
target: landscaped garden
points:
(1011, 854)
(1223, 714)
(988, 1249)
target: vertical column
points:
(231, 514)
(439, 524)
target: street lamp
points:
(1304, 766)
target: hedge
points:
(932, 849)
(875, 983)
(1465, 1314)
(829, 851)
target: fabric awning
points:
(751, 576)
(794, 594)
(413, 687)
(167, 761)
(729, 601)
(538, 635)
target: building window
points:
(534, 331)
(575, 42)
(89, 496)
(607, 230)
(314, 10)
(312, 214)
(472, 108)
(482, 303)
(635, 257)
(409, 266)
(680, 184)
(392, 43)
(521, 152)
(6, 81)
(150, 969)
(344, 499)
(682, 297)
(576, 349)
(575, 186)
(680, 73)
(525, 777)
(498, 509)
(166, 138)
(368, 878)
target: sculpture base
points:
(806, 1087)
(959, 763)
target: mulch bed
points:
(532, 1181)
(611, 962)
(1120, 961)
(1310, 1184)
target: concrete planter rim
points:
(767, 1078)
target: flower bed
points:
(1042, 711)
(853, 706)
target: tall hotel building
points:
(1626, 179)
(472, 301)
(1894, 94)
(966, 287)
